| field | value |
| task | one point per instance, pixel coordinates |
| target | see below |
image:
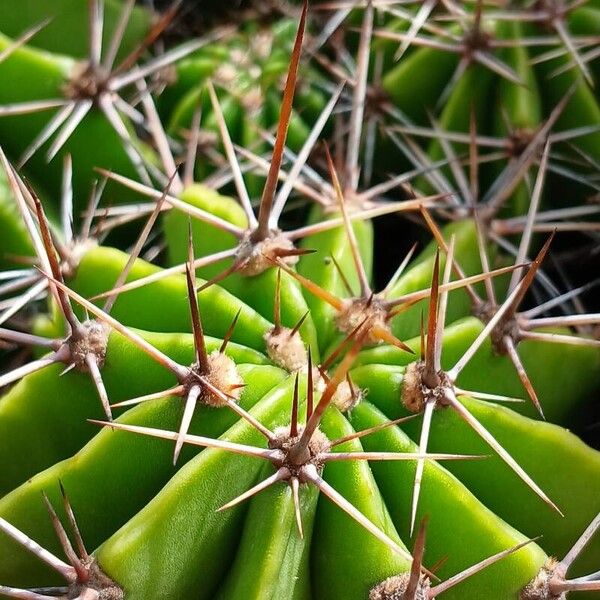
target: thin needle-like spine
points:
(92, 364)
(67, 571)
(280, 475)
(135, 252)
(34, 235)
(295, 485)
(343, 277)
(17, 304)
(342, 346)
(359, 434)
(568, 42)
(117, 37)
(419, 20)
(358, 99)
(581, 543)
(395, 456)
(195, 440)
(456, 579)
(413, 297)
(93, 201)
(229, 332)
(302, 157)
(417, 562)
(47, 132)
(188, 413)
(55, 269)
(556, 338)
(266, 202)
(277, 304)
(65, 543)
(24, 108)
(238, 178)
(23, 39)
(81, 109)
(133, 153)
(28, 339)
(198, 331)
(310, 392)
(312, 475)
(484, 396)
(500, 451)
(312, 287)
(443, 305)
(120, 81)
(423, 442)
(531, 216)
(12, 592)
(522, 373)
(430, 376)
(358, 263)
(66, 204)
(398, 273)
(192, 147)
(294, 417)
(83, 553)
(160, 138)
(32, 367)
(153, 34)
(265, 431)
(96, 20)
(178, 390)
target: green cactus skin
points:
(155, 526)
(65, 34)
(48, 74)
(493, 374)
(569, 477)
(320, 268)
(455, 515)
(271, 559)
(181, 560)
(43, 406)
(150, 468)
(100, 268)
(347, 561)
(257, 290)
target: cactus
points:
(226, 406)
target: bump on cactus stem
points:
(97, 83)
(416, 585)
(84, 347)
(513, 328)
(300, 454)
(284, 345)
(69, 247)
(551, 582)
(371, 310)
(83, 575)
